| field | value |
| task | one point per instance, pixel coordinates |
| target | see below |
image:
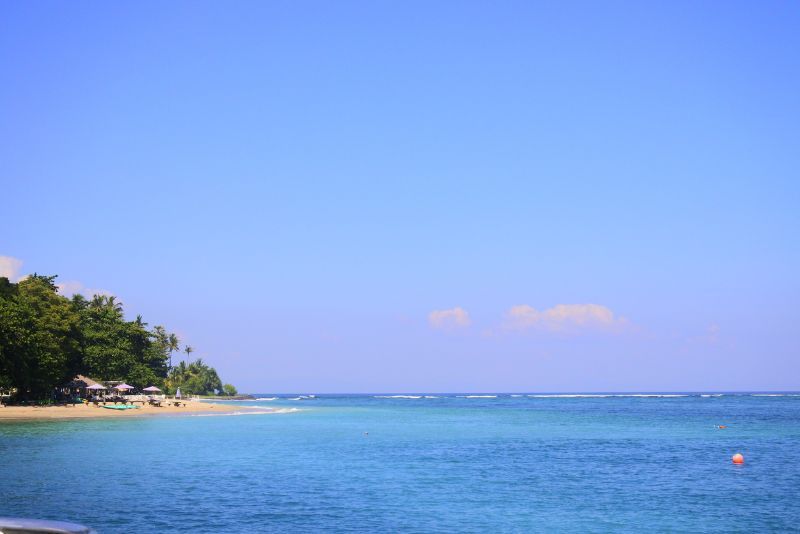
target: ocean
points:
(420, 463)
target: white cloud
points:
(563, 318)
(73, 287)
(452, 318)
(9, 267)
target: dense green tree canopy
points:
(196, 378)
(40, 337)
(46, 339)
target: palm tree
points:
(172, 345)
(188, 350)
(112, 304)
(177, 376)
(107, 302)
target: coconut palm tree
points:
(108, 302)
(188, 350)
(195, 378)
(172, 345)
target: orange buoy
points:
(738, 459)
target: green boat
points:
(120, 407)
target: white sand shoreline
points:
(82, 411)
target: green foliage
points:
(195, 378)
(116, 349)
(229, 390)
(46, 339)
(39, 336)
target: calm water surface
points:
(441, 464)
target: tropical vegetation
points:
(46, 339)
(196, 378)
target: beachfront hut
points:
(85, 383)
(82, 382)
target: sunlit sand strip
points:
(18, 413)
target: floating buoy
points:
(737, 458)
(721, 426)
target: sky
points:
(419, 196)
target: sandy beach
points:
(13, 413)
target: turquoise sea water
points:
(442, 463)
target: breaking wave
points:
(254, 412)
(602, 396)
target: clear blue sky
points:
(338, 196)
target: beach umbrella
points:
(123, 387)
(178, 394)
(152, 389)
(96, 387)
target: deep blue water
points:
(445, 464)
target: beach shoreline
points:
(83, 411)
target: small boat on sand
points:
(119, 407)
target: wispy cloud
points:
(72, 287)
(10, 267)
(446, 319)
(567, 318)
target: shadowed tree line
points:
(46, 339)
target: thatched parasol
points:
(81, 381)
